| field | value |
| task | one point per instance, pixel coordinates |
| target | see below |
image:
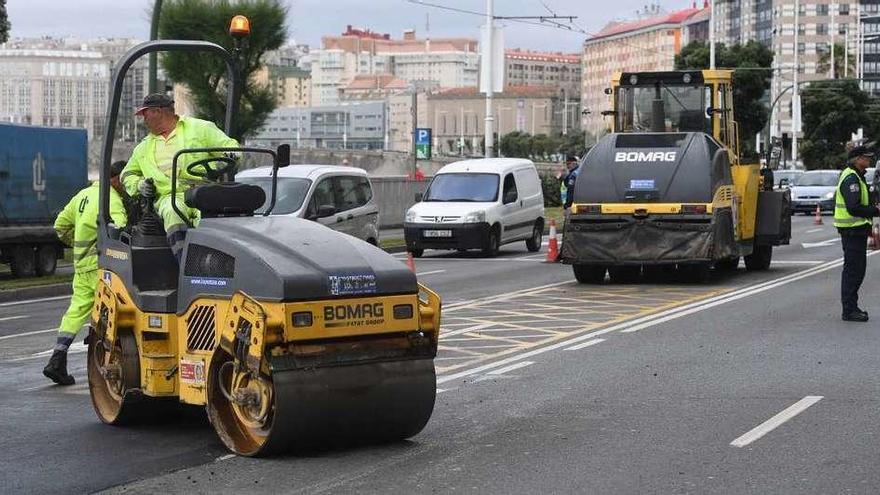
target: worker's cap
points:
(861, 151)
(155, 100)
(116, 167)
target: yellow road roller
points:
(287, 332)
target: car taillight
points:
(693, 209)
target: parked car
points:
(478, 204)
(816, 187)
(339, 197)
(785, 178)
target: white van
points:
(339, 197)
(478, 204)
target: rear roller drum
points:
(114, 375)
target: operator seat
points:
(228, 199)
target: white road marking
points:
(7, 318)
(812, 231)
(30, 301)
(521, 364)
(774, 422)
(225, 457)
(421, 274)
(650, 320)
(506, 295)
(25, 334)
(585, 344)
(441, 390)
(808, 245)
(75, 348)
(796, 262)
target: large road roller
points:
(668, 189)
(287, 332)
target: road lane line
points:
(813, 231)
(585, 344)
(30, 301)
(776, 421)
(420, 274)
(653, 319)
(7, 318)
(796, 262)
(25, 334)
(521, 364)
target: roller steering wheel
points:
(208, 172)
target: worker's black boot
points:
(56, 370)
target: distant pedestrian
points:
(853, 214)
(566, 188)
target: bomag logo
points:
(354, 315)
(645, 156)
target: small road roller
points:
(287, 332)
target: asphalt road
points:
(748, 384)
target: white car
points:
(339, 197)
(478, 204)
(814, 188)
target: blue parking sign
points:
(423, 143)
(423, 136)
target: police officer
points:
(77, 226)
(853, 215)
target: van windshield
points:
(817, 179)
(481, 188)
(291, 193)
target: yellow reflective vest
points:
(842, 218)
(77, 225)
(192, 133)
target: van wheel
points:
(23, 261)
(416, 252)
(46, 260)
(589, 274)
(533, 244)
(493, 243)
(760, 258)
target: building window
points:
(822, 9)
(843, 9)
(822, 29)
(802, 30)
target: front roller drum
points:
(373, 402)
(114, 375)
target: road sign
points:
(423, 143)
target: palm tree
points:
(823, 66)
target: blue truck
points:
(41, 168)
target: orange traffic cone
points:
(818, 220)
(553, 246)
(410, 263)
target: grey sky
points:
(310, 19)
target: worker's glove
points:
(147, 189)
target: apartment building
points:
(530, 68)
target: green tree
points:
(749, 85)
(831, 112)
(823, 66)
(204, 75)
(4, 23)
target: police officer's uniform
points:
(77, 226)
(853, 215)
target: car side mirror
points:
(419, 196)
(510, 197)
(282, 156)
(325, 211)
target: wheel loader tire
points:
(760, 258)
(589, 274)
(625, 274)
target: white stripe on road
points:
(30, 301)
(75, 348)
(13, 317)
(774, 422)
(647, 321)
(796, 262)
(813, 231)
(421, 274)
(512, 367)
(25, 334)
(585, 344)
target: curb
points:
(36, 292)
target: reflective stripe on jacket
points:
(842, 218)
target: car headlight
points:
(475, 217)
(410, 216)
(828, 195)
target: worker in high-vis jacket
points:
(153, 158)
(77, 226)
(853, 216)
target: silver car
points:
(814, 188)
(339, 197)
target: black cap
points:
(155, 100)
(116, 167)
(861, 151)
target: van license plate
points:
(437, 233)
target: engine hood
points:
(811, 192)
(282, 258)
